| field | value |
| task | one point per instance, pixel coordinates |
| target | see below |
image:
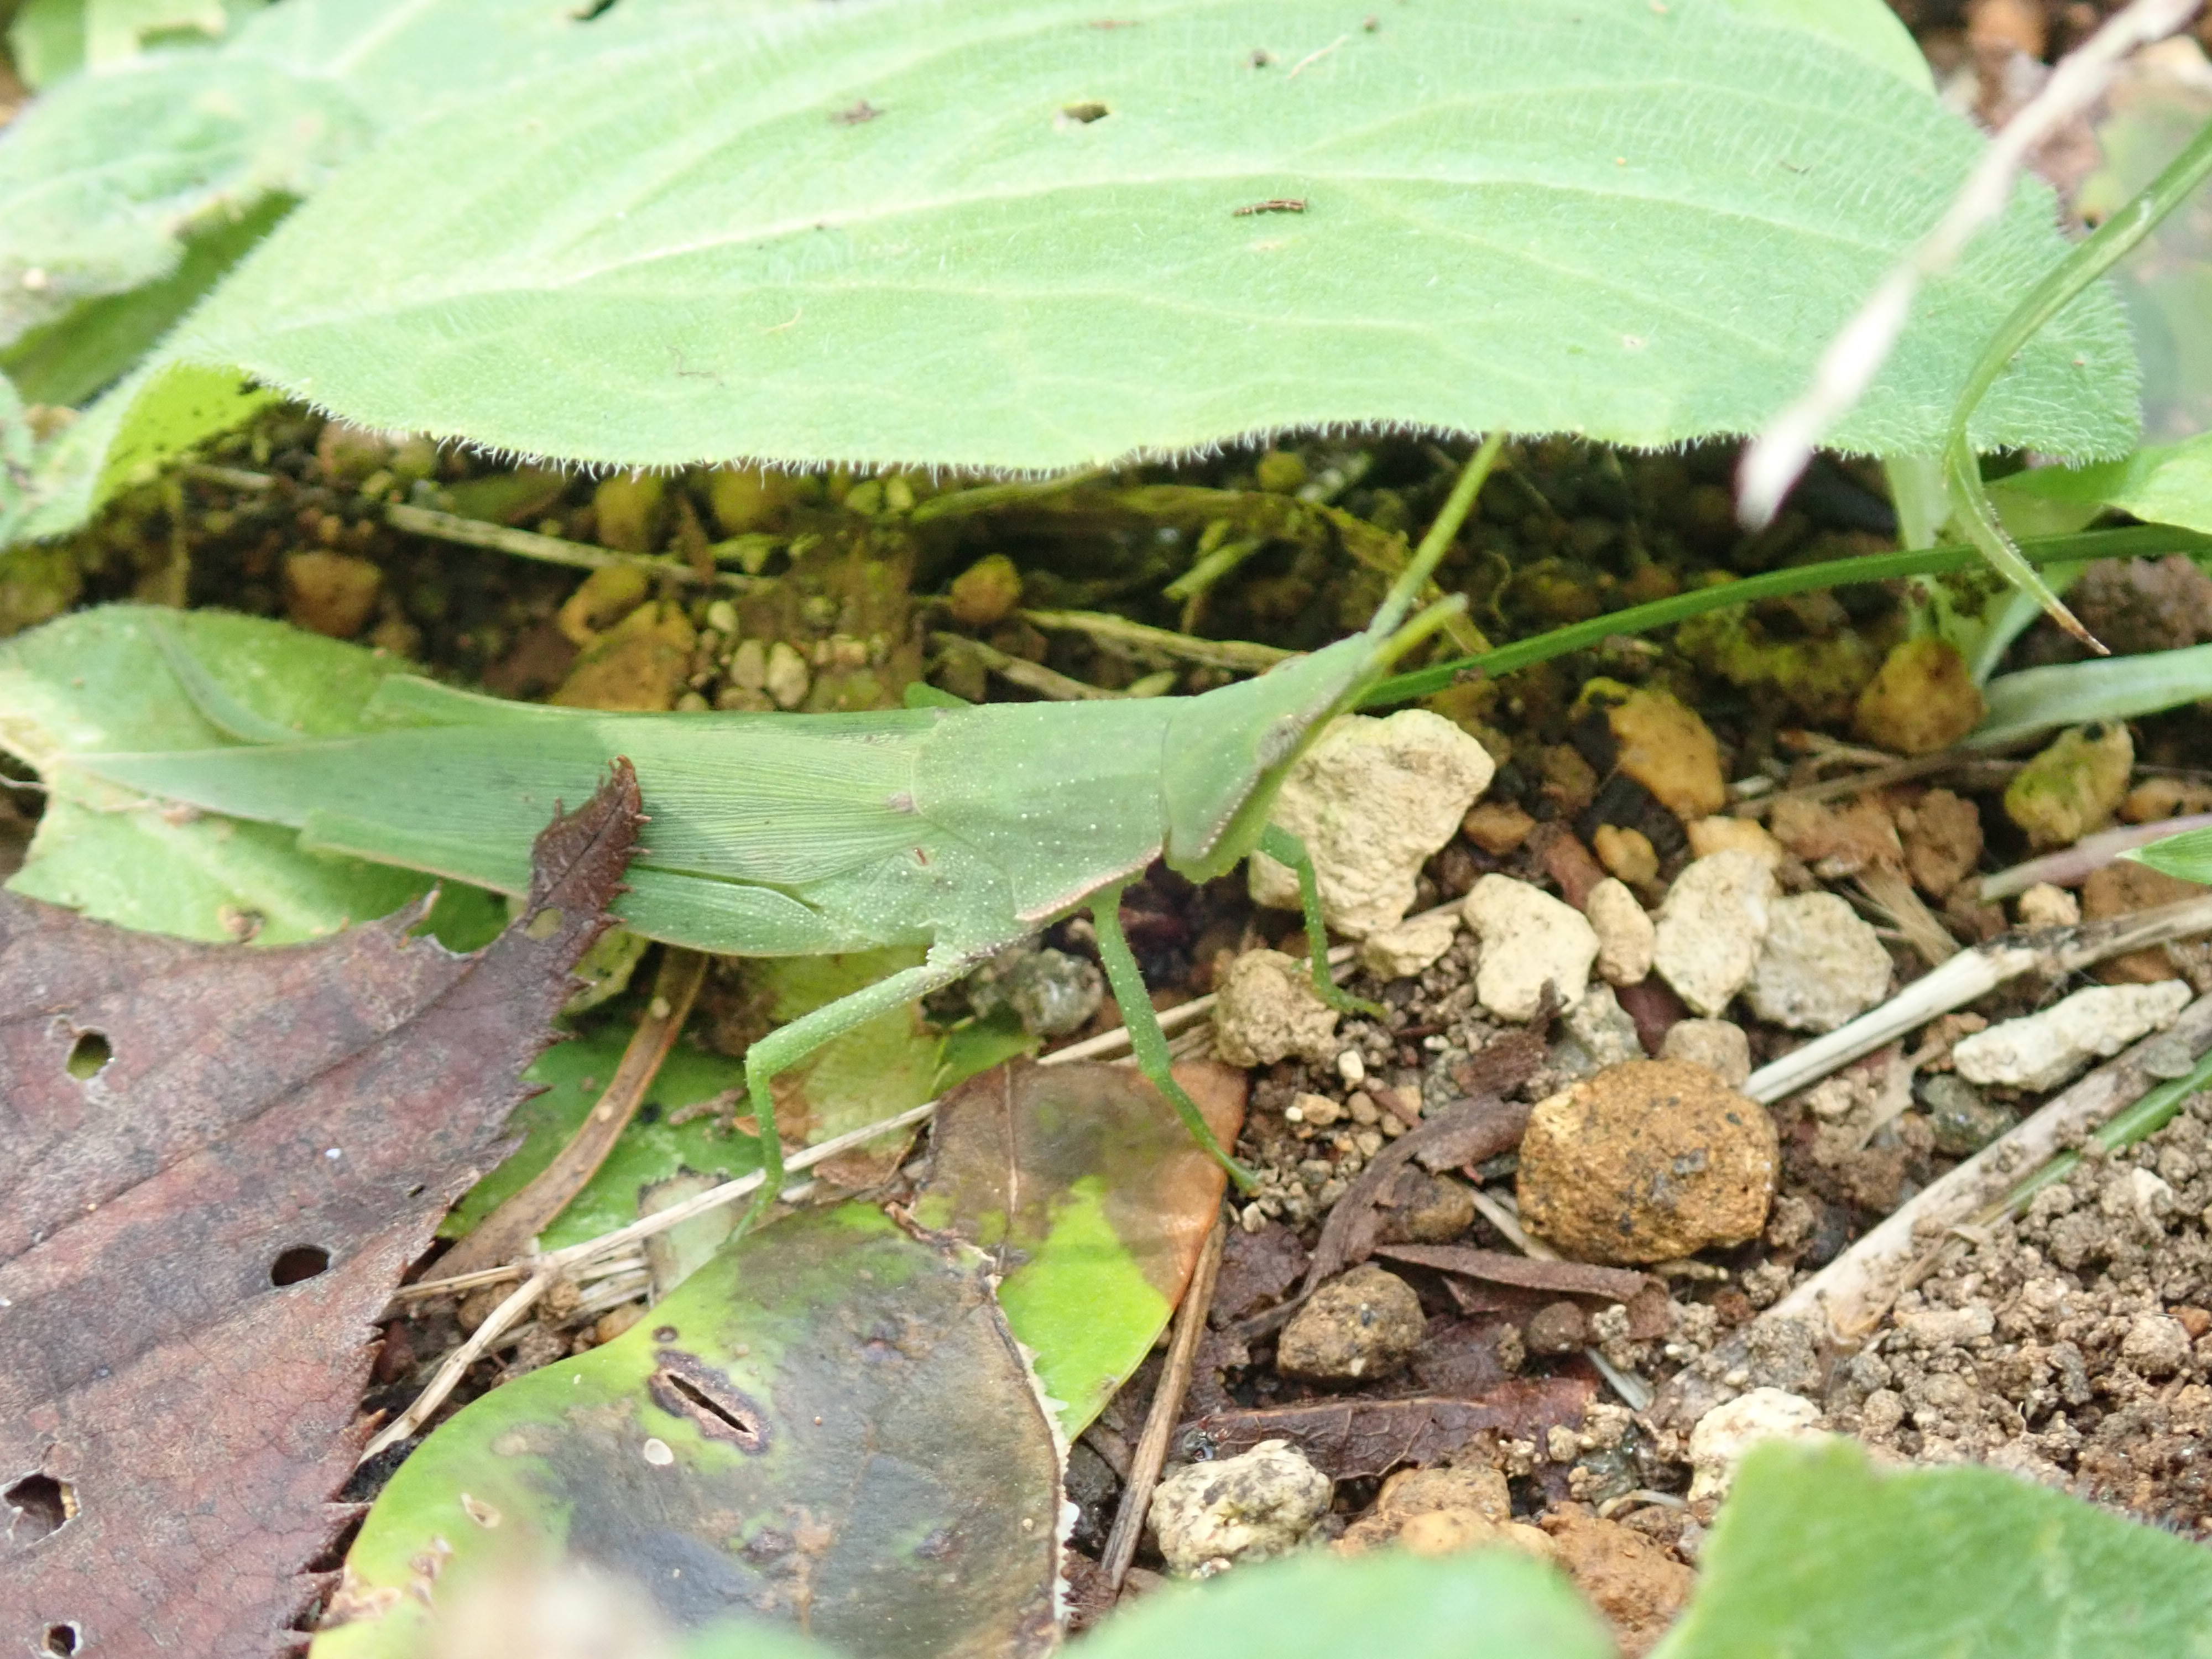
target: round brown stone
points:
(1647, 1160)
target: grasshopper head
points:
(1228, 752)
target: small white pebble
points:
(1351, 1067)
(658, 1454)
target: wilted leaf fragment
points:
(1815, 1553)
(215, 1164)
(1082, 1178)
(1491, 1604)
(826, 1425)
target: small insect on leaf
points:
(2188, 856)
(1272, 204)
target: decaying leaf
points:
(1095, 1198)
(1354, 1438)
(214, 1164)
(1466, 1133)
(1503, 1268)
(828, 1425)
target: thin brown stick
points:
(543, 550)
(1978, 767)
(1241, 655)
(1152, 1454)
(505, 1235)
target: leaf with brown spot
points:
(828, 1428)
(1088, 1187)
(215, 1164)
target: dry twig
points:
(1151, 1451)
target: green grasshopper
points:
(961, 828)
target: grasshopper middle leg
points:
(1146, 1040)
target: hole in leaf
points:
(683, 1387)
(89, 1055)
(300, 1262)
(42, 1504)
(545, 924)
(1085, 113)
(62, 1638)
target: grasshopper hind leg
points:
(1280, 845)
(1146, 1040)
(786, 1046)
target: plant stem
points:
(2140, 541)
(2137, 1122)
(2118, 236)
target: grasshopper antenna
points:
(1415, 576)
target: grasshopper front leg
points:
(1280, 845)
(1147, 1041)
(786, 1046)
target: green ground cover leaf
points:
(827, 1424)
(1815, 1553)
(2188, 856)
(2099, 689)
(2166, 484)
(1486, 1604)
(1514, 216)
(80, 685)
(573, 1075)
(875, 1071)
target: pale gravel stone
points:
(1625, 931)
(1820, 965)
(1724, 1434)
(1530, 939)
(1403, 950)
(1267, 1009)
(2045, 906)
(2045, 1049)
(1210, 1515)
(1711, 927)
(1600, 1033)
(1373, 800)
(1721, 1046)
(786, 680)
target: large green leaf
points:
(80, 685)
(1491, 1604)
(827, 1424)
(880, 234)
(1816, 1556)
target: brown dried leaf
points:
(1466, 1133)
(1348, 1439)
(215, 1164)
(1502, 1267)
